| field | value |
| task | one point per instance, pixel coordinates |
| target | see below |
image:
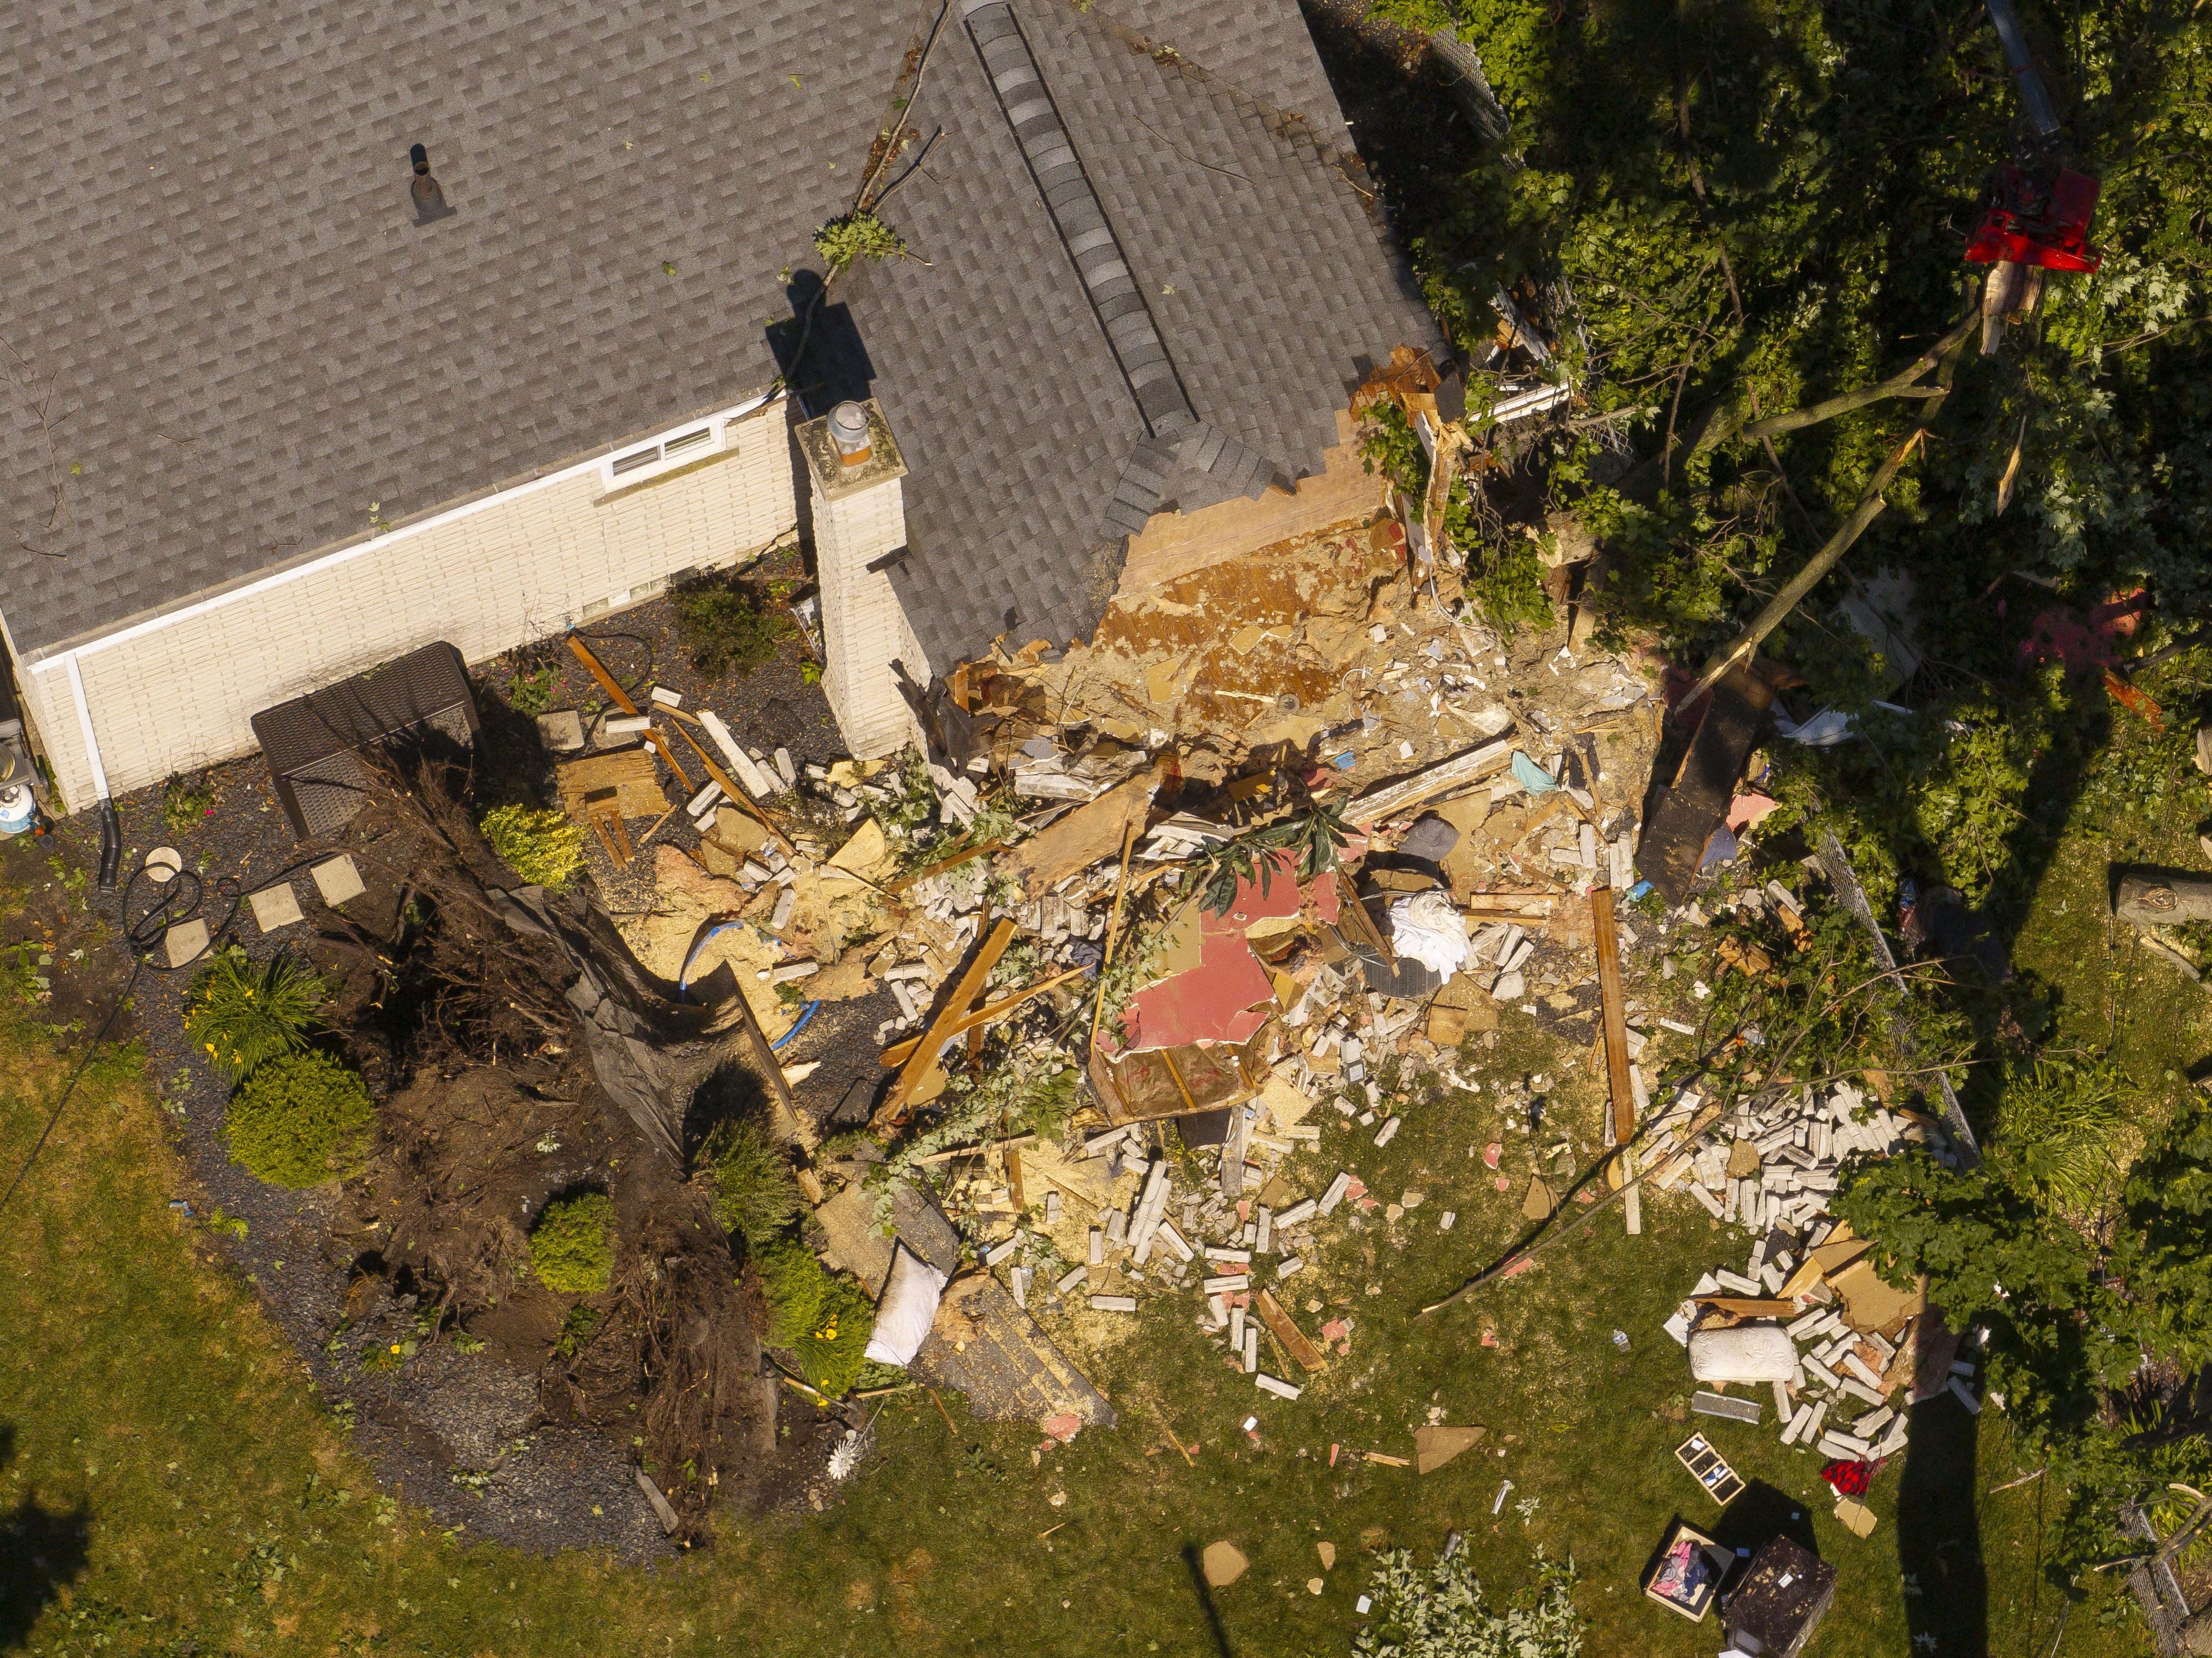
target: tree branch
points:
(1899, 385)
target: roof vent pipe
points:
(848, 432)
(429, 196)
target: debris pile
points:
(1807, 1315)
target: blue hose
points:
(805, 1014)
(683, 983)
(684, 978)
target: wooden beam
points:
(616, 694)
(1287, 1331)
(1747, 1306)
(1462, 768)
(1615, 1003)
(1113, 927)
(900, 1053)
(660, 747)
(963, 998)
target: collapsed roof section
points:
(1135, 285)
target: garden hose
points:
(683, 983)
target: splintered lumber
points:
(963, 998)
(614, 835)
(739, 798)
(616, 694)
(900, 1053)
(1287, 1332)
(1614, 1000)
(628, 771)
(2163, 898)
(1388, 802)
(1089, 835)
(1113, 926)
(982, 849)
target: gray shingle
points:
(209, 249)
(1268, 293)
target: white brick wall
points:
(514, 568)
(863, 630)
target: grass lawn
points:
(171, 1483)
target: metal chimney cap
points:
(848, 432)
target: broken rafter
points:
(738, 797)
(926, 1050)
(900, 1053)
(1613, 1001)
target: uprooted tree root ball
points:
(533, 1205)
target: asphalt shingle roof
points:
(1262, 259)
(241, 338)
(213, 265)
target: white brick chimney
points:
(860, 518)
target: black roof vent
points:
(429, 195)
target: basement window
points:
(678, 446)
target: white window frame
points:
(633, 463)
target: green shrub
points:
(241, 1014)
(726, 628)
(2059, 1124)
(538, 843)
(755, 1195)
(573, 1245)
(823, 1320)
(186, 806)
(297, 1119)
(531, 692)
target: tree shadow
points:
(1939, 1536)
(42, 1551)
(1197, 1569)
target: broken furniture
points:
(1780, 1601)
(321, 748)
(1710, 1469)
(1689, 1572)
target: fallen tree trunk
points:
(2163, 898)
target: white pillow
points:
(908, 1308)
(1750, 1352)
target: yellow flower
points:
(395, 1346)
(828, 1331)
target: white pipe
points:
(84, 728)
